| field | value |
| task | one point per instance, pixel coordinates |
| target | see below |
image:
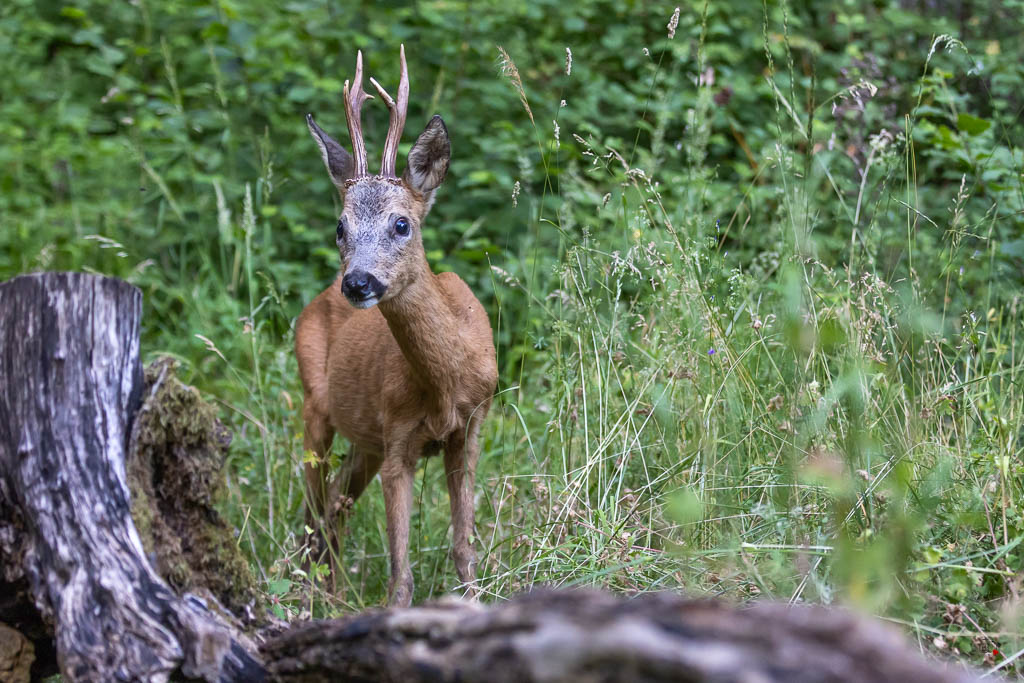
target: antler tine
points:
(354, 99)
(397, 109)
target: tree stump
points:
(70, 386)
(590, 637)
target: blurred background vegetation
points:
(754, 271)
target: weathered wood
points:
(588, 636)
(70, 384)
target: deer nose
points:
(359, 286)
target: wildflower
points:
(568, 62)
(880, 141)
(711, 351)
(673, 24)
(515, 194)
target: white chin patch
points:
(365, 303)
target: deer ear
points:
(336, 159)
(428, 158)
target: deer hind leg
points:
(335, 498)
(317, 438)
(356, 473)
(461, 453)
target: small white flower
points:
(673, 24)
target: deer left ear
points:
(428, 158)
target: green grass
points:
(768, 351)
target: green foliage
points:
(755, 285)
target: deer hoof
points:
(400, 592)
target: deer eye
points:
(402, 226)
(341, 229)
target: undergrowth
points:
(775, 361)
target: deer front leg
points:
(396, 475)
(460, 457)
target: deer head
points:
(378, 236)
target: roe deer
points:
(397, 359)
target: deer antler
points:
(354, 99)
(397, 109)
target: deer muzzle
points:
(362, 289)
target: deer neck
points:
(422, 321)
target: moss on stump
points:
(174, 471)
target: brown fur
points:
(417, 368)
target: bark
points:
(588, 636)
(70, 385)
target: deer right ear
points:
(428, 158)
(336, 159)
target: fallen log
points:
(590, 636)
(70, 386)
